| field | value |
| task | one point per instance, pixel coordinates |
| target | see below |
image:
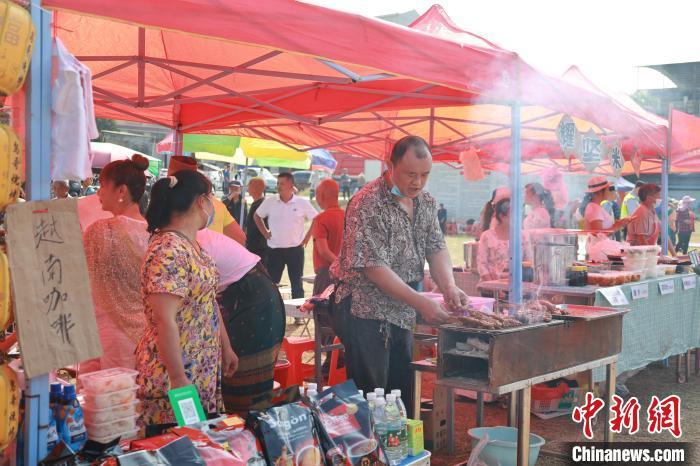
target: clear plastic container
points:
(95, 401)
(97, 416)
(111, 429)
(122, 435)
(108, 380)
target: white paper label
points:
(614, 295)
(689, 282)
(640, 291)
(667, 287)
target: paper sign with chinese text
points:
(591, 150)
(689, 282)
(568, 136)
(640, 291)
(667, 287)
(53, 301)
(614, 295)
(614, 155)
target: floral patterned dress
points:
(173, 266)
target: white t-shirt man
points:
(286, 220)
(232, 260)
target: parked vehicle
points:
(265, 174)
(302, 179)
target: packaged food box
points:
(108, 380)
(122, 435)
(97, 416)
(112, 429)
(415, 437)
(96, 401)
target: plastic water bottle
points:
(55, 396)
(392, 441)
(379, 392)
(371, 402)
(404, 428)
(362, 394)
(73, 428)
(380, 422)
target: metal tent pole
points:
(665, 169)
(516, 209)
(38, 140)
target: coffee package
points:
(346, 430)
(289, 435)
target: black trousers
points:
(293, 258)
(378, 355)
(684, 241)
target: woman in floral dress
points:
(184, 342)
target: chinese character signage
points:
(568, 136)
(591, 150)
(614, 153)
(53, 302)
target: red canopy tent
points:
(272, 70)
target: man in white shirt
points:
(286, 214)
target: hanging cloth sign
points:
(614, 155)
(591, 152)
(50, 285)
(568, 136)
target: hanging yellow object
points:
(9, 405)
(5, 298)
(16, 43)
(10, 166)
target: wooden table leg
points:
(523, 397)
(512, 411)
(479, 408)
(687, 366)
(417, 385)
(610, 377)
(451, 420)
(697, 361)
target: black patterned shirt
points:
(379, 233)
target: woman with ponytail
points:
(184, 341)
(114, 249)
(541, 205)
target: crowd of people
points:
(186, 287)
(634, 217)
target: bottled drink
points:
(404, 429)
(55, 396)
(73, 427)
(379, 419)
(371, 398)
(379, 392)
(362, 394)
(392, 441)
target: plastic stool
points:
(282, 372)
(294, 348)
(336, 375)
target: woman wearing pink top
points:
(644, 227)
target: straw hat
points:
(598, 183)
(180, 162)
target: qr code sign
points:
(189, 411)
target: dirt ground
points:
(656, 379)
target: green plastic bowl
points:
(503, 444)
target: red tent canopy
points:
(315, 77)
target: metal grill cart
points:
(512, 360)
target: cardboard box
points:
(435, 421)
(415, 437)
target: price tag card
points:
(640, 291)
(689, 282)
(667, 287)
(614, 295)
